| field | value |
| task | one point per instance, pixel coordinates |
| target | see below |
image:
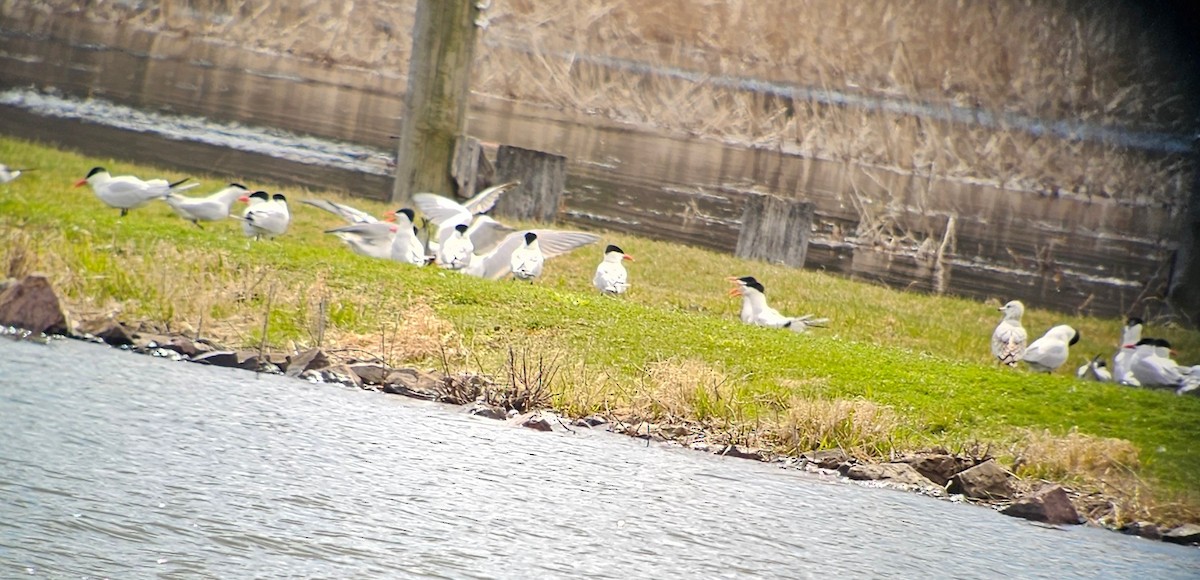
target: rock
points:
(938, 467)
(984, 481)
(537, 422)
(743, 452)
(674, 431)
(182, 345)
(1049, 504)
(311, 359)
(218, 358)
(1185, 534)
(413, 383)
(593, 420)
(341, 374)
(901, 474)
(116, 334)
(1146, 530)
(827, 458)
(31, 304)
(480, 409)
(249, 360)
(370, 373)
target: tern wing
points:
(441, 210)
(350, 214)
(485, 200)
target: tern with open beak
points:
(756, 311)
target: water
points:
(1078, 253)
(121, 465)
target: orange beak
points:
(81, 182)
(627, 257)
(244, 199)
(735, 291)
(389, 216)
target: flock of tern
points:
(466, 240)
(1138, 361)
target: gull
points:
(1051, 350)
(455, 252)
(1095, 370)
(527, 260)
(1130, 335)
(498, 262)
(1009, 338)
(373, 240)
(445, 213)
(611, 277)
(350, 214)
(127, 192)
(8, 174)
(406, 246)
(755, 310)
(265, 216)
(206, 209)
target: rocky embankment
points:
(32, 306)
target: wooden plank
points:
(543, 177)
(472, 171)
(775, 230)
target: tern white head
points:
(611, 277)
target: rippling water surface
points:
(121, 465)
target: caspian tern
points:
(497, 263)
(1151, 368)
(127, 192)
(1095, 370)
(1009, 338)
(611, 277)
(527, 260)
(265, 217)
(350, 214)
(206, 209)
(455, 252)
(373, 240)
(406, 246)
(1051, 350)
(1131, 333)
(8, 174)
(755, 310)
(445, 213)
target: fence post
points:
(472, 171)
(775, 230)
(543, 177)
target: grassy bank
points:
(895, 371)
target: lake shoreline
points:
(937, 473)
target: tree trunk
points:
(435, 106)
(1184, 285)
(775, 230)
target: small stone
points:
(218, 358)
(827, 458)
(341, 374)
(743, 453)
(1146, 530)
(901, 474)
(1186, 534)
(117, 334)
(1049, 504)
(480, 409)
(984, 481)
(313, 358)
(538, 422)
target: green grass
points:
(924, 357)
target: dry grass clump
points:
(413, 334)
(681, 390)
(858, 426)
(1105, 473)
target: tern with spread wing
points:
(1095, 370)
(446, 213)
(455, 252)
(1152, 366)
(349, 214)
(755, 310)
(210, 208)
(527, 260)
(498, 262)
(373, 240)
(611, 277)
(1009, 338)
(126, 192)
(1131, 333)
(1051, 350)
(8, 174)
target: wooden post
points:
(543, 177)
(775, 230)
(1183, 287)
(435, 105)
(472, 171)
